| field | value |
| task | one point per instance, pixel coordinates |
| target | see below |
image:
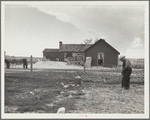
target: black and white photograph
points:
(74, 59)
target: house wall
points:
(61, 55)
(74, 57)
(110, 55)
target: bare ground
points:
(41, 92)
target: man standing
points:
(7, 63)
(126, 72)
(25, 63)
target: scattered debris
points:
(72, 92)
(50, 105)
(10, 109)
(72, 85)
(104, 80)
(65, 86)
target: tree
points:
(96, 39)
(91, 41)
(88, 41)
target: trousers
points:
(126, 78)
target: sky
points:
(30, 28)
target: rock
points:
(72, 85)
(69, 96)
(72, 92)
(62, 92)
(65, 86)
(32, 93)
(61, 110)
(50, 105)
(104, 80)
(77, 77)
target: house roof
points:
(77, 47)
(50, 50)
(74, 47)
(101, 41)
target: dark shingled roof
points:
(51, 50)
(77, 47)
(74, 47)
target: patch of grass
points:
(69, 104)
(109, 99)
(76, 97)
(30, 108)
(12, 90)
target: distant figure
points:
(7, 63)
(126, 72)
(25, 63)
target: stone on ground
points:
(61, 110)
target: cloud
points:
(61, 12)
(136, 43)
(124, 20)
(118, 25)
(136, 50)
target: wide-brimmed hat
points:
(121, 57)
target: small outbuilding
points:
(102, 54)
(51, 54)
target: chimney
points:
(60, 44)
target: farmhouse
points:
(101, 53)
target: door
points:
(100, 59)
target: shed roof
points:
(50, 50)
(101, 41)
(74, 47)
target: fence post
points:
(31, 63)
(84, 60)
(4, 54)
(84, 66)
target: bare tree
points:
(88, 41)
(91, 41)
(96, 39)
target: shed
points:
(51, 54)
(102, 54)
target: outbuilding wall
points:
(51, 55)
(110, 55)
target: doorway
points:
(100, 59)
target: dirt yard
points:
(41, 92)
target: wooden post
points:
(84, 66)
(4, 54)
(31, 63)
(117, 62)
(84, 60)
